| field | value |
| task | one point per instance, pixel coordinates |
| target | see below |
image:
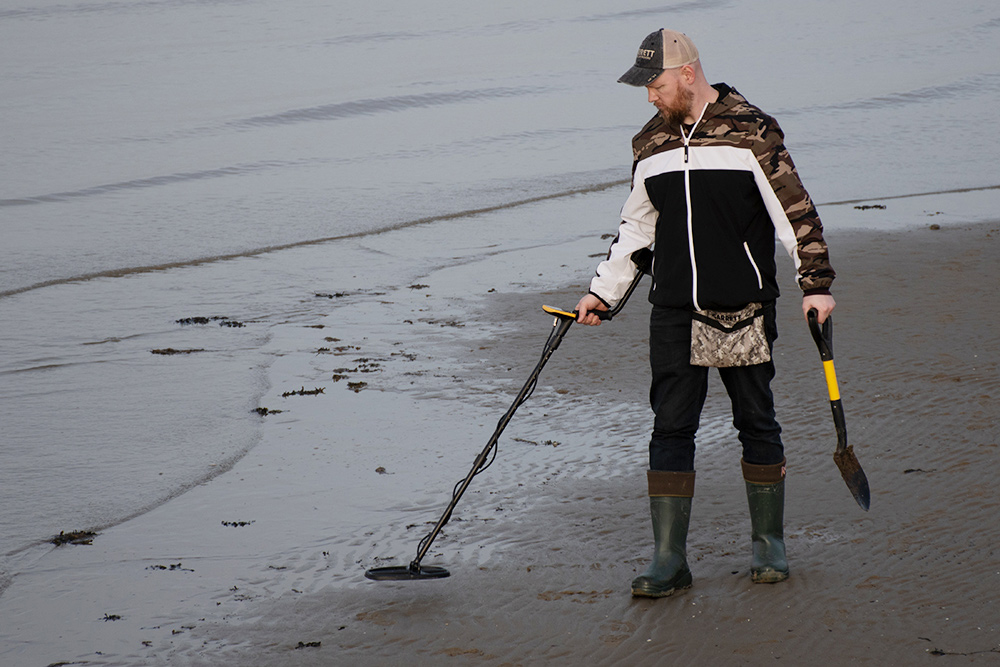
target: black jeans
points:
(678, 392)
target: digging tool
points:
(563, 321)
(846, 460)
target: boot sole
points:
(768, 577)
(643, 593)
(648, 589)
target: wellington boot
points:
(671, 515)
(766, 497)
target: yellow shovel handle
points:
(831, 380)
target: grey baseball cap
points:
(663, 49)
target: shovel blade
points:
(854, 476)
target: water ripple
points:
(970, 86)
(381, 105)
(524, 25)
(114, 7)
(150, 182)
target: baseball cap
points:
(663, 49)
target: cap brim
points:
(639, 76)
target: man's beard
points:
(676, 113)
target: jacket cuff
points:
(809, 292)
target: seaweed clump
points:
(74, 537)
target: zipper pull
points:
(685, 153)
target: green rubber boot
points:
(766, 497)
(670, 496)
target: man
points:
(712, 187)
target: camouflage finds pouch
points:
(729, 338)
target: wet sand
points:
(907, 582)
(270, 557)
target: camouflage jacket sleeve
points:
(808, 247)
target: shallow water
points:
(302, 141)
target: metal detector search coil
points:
(409, 572)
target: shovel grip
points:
(823, 335)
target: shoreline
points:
(271, 554)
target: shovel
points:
(563, 321)
(844, 457)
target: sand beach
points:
(264, 565)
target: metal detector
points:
(643, 259)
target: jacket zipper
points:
(690, 218)
(760, 282)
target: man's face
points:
(671, 96)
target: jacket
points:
(710, 200)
